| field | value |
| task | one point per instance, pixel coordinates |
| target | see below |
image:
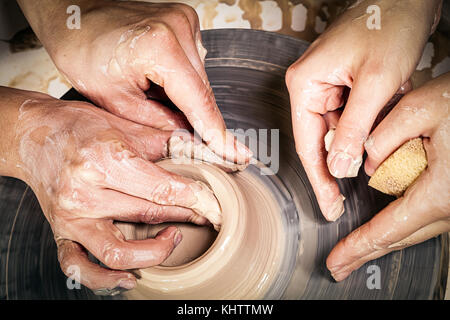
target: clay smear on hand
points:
(180, 149)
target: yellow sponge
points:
(401, 169)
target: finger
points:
(310, 149)
(369, 94)
(412, 117)
(399, 220)
(189, 13)
(187, 90)
(154, 144)
(136, 139)
(423, 234)
(149, 143)
(331, 119)
(115, 205)
(185, 146)
(139, 178)
(154, 114)
(135, 106)
(188, 43)
(182, 19)
(437, 16)
(106, 243)
(193, 18)
(138, 210)
(202, 52)
(309, 130)
(76, 265)
(404, 89)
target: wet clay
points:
(196, 239)
(241, 263)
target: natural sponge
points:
(401, 169)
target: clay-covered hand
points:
(89, 168)
(375, 64)
(125, 49)
(424, 210)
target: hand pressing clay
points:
(244, 259)
(187, 149)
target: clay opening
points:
(196, 239)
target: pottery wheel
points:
(250, 258)
(246, 69)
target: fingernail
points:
(337, 208)
(127, 284)
(177, 238)
(343, 165)
(167, 233)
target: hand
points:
(124, 50)
(374, 64)
(89, 168)
(424, 210)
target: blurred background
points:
(24, 63)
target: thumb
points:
(369, 95)
(111, 248)
(403, 220)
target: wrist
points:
(15, 154)
(10, 102)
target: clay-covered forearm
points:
(11, 101)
